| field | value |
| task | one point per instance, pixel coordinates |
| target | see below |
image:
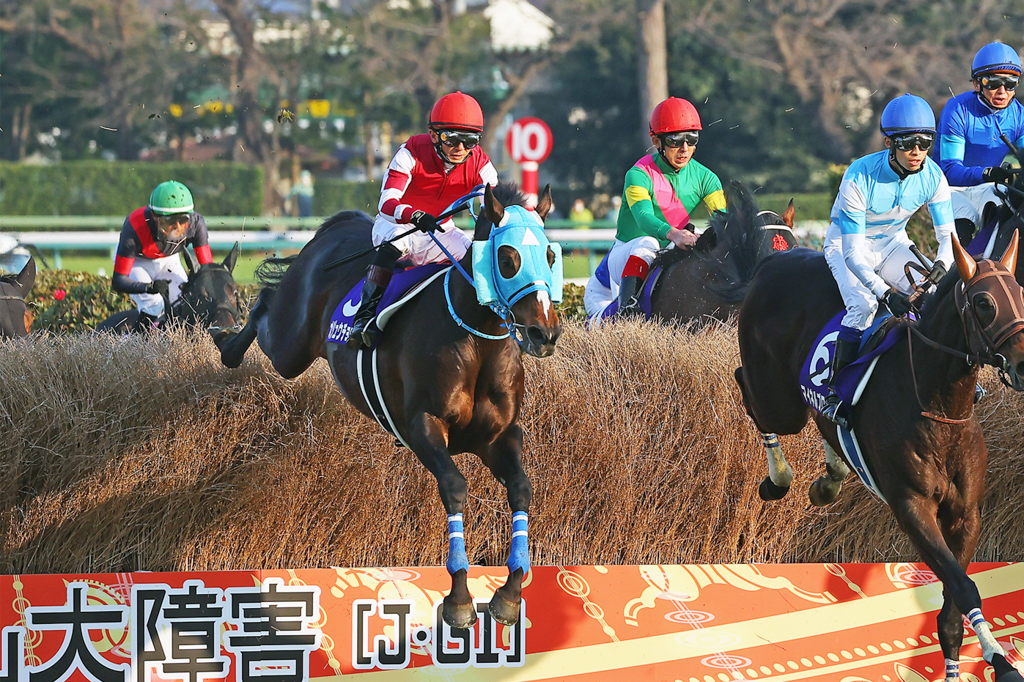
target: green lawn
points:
(575, 266)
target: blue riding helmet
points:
(995, 57)
(907, 114)
(522, 230)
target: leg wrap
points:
(989, 645)
(457, 559)
(952, 670)
(519, 555)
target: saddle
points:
(403, 287)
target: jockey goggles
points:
(996, 81)
(906, 143)
(453, 138)
(675, 140)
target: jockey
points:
(866, 245)
(970, 150)
(147, 266)
(661, 191)
(429, 172)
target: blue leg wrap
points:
(519, 555)
(457, 559)
(952, 670)
(976, 619)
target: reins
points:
(913, 376)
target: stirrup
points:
(831, 411)
(365, 337)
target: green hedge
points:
(118, 187)
(334, 195)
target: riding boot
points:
(629, 296)
(365, 332)
(965, 230)
(845, 353)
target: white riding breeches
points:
(418, 248)
(645, 247)
(888, 263)
(597, 297)
(970, 202)
(146, 270)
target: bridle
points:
(204, 309)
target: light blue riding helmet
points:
(907, 114)
(995, 57)
(522, 230)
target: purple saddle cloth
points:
(400, 284)
(817, 368)
(645, 297)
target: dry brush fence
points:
(147, 454)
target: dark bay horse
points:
(208, 299)
(915, 420)
(15, 316)
(710, 280)
(441, 388)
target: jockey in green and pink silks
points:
(660, 194)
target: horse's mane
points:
(271, 271)
(739, 233)
(932, 300)
(508, 194)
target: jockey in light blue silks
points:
(867, 245)
(970, 150)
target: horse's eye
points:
(508, 261)
(985, 308)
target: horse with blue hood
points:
(447, 375)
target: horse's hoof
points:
(770, 492)
(504, 611)
(1004, 671)
(459, 616)
(821, 495)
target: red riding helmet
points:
(674, 115)
(457, 110)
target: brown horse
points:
(449, 380)
(917, 430)
(15, 316)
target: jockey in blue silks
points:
(867, 245)
(970, 151)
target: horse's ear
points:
(787, 216)
(493, 210)
(965, 264)
(191, 263)
(26, 278)
(1009, 259)
(232, 257)
(544, 205)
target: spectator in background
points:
(303, 191)
(613, 212)
(582, 216)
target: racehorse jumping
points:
(15, 316)
(914, 421)
(208, 299)
(448, 378)
(709, 282)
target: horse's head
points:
(778, 231)
(516, 270)
(991, 303)
(15, 316)
(210, 296)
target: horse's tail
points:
(741, 236)
(270, 272)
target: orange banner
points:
(835, 622)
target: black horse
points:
(208, 299)
(915, 420)
(15, 316)
(448, 380)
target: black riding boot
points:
(365, 332)
(965, 230)
(845, 353)
(629, 296)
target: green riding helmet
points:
(169, 198)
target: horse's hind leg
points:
(780, 475)
(233, 345)
(504, 459)
(826, 489)
(428, 439)
(918, 517)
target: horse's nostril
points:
(538, 335)
(1020, 369)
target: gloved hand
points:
(424, 221)
(996, 174)
(160, 286)
(937, 272)
(897, 302)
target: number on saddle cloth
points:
(396, 295)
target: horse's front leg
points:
(232, 344)
(504, 457)
(428, 438)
